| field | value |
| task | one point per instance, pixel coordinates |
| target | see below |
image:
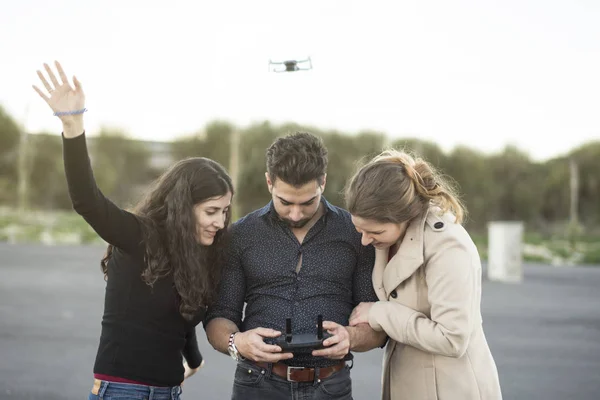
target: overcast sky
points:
(480, 73)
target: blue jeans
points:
(128, 391)
(254, 383)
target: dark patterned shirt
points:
(261, 271)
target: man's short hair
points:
(297, 159)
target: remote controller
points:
(302, 343)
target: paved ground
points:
(544, 333)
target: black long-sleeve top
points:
(143, 334)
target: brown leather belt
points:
(302, 374)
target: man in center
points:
(297, 257)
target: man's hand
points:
(251, 345)
(338, 345)
(360, 314)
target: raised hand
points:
(67, 102)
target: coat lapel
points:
(387, 276)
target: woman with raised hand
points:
(427, 276)
(162, 263)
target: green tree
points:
(469, 170)
(346, 153)
(9, 137)
(9, 147)
(121, 166)
(556, 192)
(517, 188)
(214, 142)
(252, 190)
(47, 182)
(587, 158)
(429, 151)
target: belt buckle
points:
(289, 370)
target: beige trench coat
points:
(430, 295)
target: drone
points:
(291, 65)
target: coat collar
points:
(410, 256)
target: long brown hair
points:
(169, 231)
(396, 187)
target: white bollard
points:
(505, 251)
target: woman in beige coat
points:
(427, 276)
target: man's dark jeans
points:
(254, 383)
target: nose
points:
(296, 214)
(365, 239)
(219, 223)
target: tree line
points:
(507, 185)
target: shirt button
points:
(438, 225)
(297, 278)
(394, 294)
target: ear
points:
(324, 182)
(269, 183)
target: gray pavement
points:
(544, 333)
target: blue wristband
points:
(59, 113)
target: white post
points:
(574, 182)
(505, 249)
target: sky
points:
(484, 74)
